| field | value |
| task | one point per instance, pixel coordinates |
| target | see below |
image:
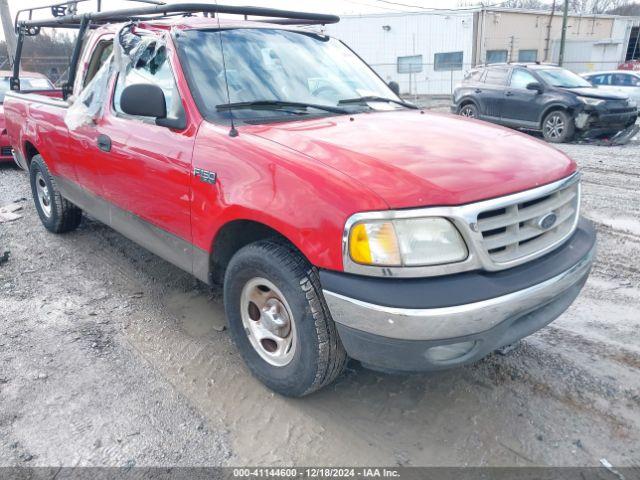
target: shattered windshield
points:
(273, 66)
(559, 77)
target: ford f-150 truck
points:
(341, 221)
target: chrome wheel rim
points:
(43, 195)
(467, 111)
(554, 126)
(268, 321)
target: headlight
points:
(591, 101)
(406, 242)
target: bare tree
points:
(596, 6)
(527, 4)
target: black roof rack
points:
(65, 15)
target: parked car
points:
(31, 81)
(341, 221)
(543, 98)
(616, 81)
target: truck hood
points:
(412, 159)
(594, 92)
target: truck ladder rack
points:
(64, 15)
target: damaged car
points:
(552, 100)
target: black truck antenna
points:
(233, 132)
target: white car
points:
(617, 81)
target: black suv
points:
(540, 97)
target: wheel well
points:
(232, 237)
(30, 151)
(465, 102)
(553, 109)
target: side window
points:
(624, 80)
(527, 55)
(497, 56)
(100, 55)
(521, 78)
(599, 79)
(448, 61)
(497, 76)
(156, 73)
(473, 76)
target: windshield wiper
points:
(276, 104)
(373, 98)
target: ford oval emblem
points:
(547, 221)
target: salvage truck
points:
(341, 221)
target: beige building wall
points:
(512, 31)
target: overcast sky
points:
(339, 7)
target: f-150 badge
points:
(204, 175)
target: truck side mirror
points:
(535, 86)
(395, 88)
(143, 100)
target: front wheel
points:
(558, 127)
(279, 320)
(469, 110)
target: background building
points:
(594, 42)
(428, 53)
(425, 53)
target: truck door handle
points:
(508, 94)
(104, 143)
(477, 90)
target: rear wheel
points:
(469, 110)
(279, 320)
(56, 213)
(558, 127)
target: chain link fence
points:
(441, 80)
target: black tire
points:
(558, 127)
(318, 356)
(468, 110)
(56, 213)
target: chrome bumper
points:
(454, 321)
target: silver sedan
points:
(617, 81)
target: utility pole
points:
(547, 40)
(563, 36)
(7, 27)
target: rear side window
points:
(624, 80)
(497, 76)
(521, 78)
(473, 76)
(100, 55)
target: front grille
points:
(621, 110)
(515, 231)
(6, 152)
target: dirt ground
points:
(111, 356)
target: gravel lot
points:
(111, 356)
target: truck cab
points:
(341, 221)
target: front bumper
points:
(469, 314)
(605, 119)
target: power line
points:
(433, 9)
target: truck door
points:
(521, 106)
(492, 92)
(144, 168)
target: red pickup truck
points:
(340, 220)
